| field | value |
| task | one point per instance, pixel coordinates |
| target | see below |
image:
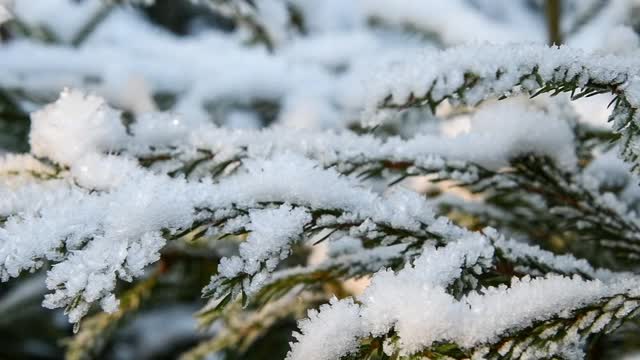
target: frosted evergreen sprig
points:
(560, 337)
(40, 233)
(166, 143)
(409, 325)
(471, 74)
(509, 258)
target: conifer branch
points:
(469, 75)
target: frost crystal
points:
(74, 125)
(329, 333)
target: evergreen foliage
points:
(338, 181)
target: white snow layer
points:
(495, 70)
(414, 303)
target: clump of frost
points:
(90, 274)
(329, 333)
(74, 125)
(104, 172)
(272, 233)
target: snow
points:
(272, 233)
(116, 233)
(493, 139)
(440, 74)
(134, 225)
(329, 333)
(413, 302)
(383, 308)
(74, 125)
(498, 133)
(562, 264)
(308, 184)
(110, 235)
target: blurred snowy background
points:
(245, 64)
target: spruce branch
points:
(469, 75)
(546, 322)
(557, 338)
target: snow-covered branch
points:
(166, 143)
(471, 74)
(404, 312)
